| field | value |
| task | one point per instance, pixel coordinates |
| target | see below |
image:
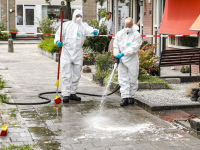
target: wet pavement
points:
(79, 126)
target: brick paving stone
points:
(100, 144)
(21, 139)
(84, 145)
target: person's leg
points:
(66, 81)
(124, 83)
(133, 81)
(76, 69)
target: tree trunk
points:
(69, 11)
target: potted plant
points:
(88, 60)
(14, 30)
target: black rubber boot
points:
(74, 97)
(124, 102)
(131, 101)
(66, 99)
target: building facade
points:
(153, 21)
(24, 15)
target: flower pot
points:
(88, 62)
(13, 35)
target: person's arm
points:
(116, 47)
(134, 46)
(57, 34)
(88, 30)
(138, 23)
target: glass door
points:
(29, 22)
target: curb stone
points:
(54, 56)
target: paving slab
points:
(79, 125)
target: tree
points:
(66, 3)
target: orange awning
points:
(178, 16)
(196, 25)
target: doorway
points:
(25, 19)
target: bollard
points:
(10, 45)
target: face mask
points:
(128, 30)
(78, 20)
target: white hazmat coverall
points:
(128, 68)
(73, 36)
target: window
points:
(188, 41)
(52, 11)
(19, 14)
(173, 40)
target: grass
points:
(3, 96)
(2, 83)
(15, 147)
(152, 79)
(15, 123)
(141, 79)
(12, 113)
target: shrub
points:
(3, 28)
(182, 69)
(45, 26)
(87, 57)
(14, 30)
(48, 45)
(100, 76)
(97, 44)
(146, 59)
(187, 69)
(114, 79)
(103, 62)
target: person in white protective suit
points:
(126, 46)
(73, 36)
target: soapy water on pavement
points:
(114, 126)
(104, 125)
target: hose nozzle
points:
(116, 60)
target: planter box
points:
(140, 85)
(88, 63)
(54, 56)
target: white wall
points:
(38, 13)
(42, 2)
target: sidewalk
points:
(79, 126)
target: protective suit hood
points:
(133, 29)
(76, 12)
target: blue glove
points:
(59, 43)
(119, 55)
(95, 32)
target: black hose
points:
(49, 100)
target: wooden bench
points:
(179, 57)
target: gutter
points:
(8, 15)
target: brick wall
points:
(131, 9)
(148, 20)
(11, 14)
(89, 10)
